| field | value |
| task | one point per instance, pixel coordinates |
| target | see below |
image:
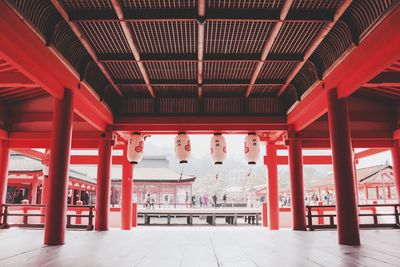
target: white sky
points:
(201, 146)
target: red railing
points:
(320, 213)
(10, 210)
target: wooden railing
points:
(372, 208)
(251, 217)
(10, 210)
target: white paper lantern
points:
(46, 163)
(252, 148)
(218, 148)
(182, 147)
(135, 148)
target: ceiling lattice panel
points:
(236, 37)
(232, 49)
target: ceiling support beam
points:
(86, 43)
(385, 79)
(214, 14)
(194, 82)
(15, 79)
(370, 152)
(376, 52)
(268, 45)
(200, 45)
(132, 44)
(200, 125)
(307, 160)
(116, 57)
(317, 41)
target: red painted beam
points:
(74, 159)
(25, 51)
(316, 42)
(268, 45)
(325, 144)
(3, 134)
(307, 160)
(375, 53)
(172, 125)
(200, 45)
(132, 44)
(30, 152)
(396, 134)
(15, 79)
(93, 160)
(19, 116)
(370, 152)
(86, 43)
(45, 143)
(47, 136)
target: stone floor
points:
(199, 246)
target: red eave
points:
(375, 53)
(21, 47)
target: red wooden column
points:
(4, 157)
(343, 168)
(103, 185)
(56, 206)
(396, 165)
(296, 184)
(126, 202)
(273, 195)
(34, 189)
(355, 176)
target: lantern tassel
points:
(180, 178)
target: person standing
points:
(193, 201)
(147, 201)
(224, 198)
(205, 200)
(186, 199)
(166, 201)
(152, 200)
(214, 199)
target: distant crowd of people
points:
(203, 201)
(16, 197)
(309, 199)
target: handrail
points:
(371, 207)
(5, 214)
(230, 216)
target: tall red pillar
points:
(343, 168)
(56, 206)
(4, 157)
(103, 186)
(273, 194)
(396, 165)
(34, 189)
(126, 202)
(296, 184)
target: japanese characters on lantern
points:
(135, 148)
(252, 148)
(218, 148)
(46, 163)
(182, 147)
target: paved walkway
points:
(199, 246)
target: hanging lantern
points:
(182, 147)
(218, 149)
(46, 163)
(135, 148)
(252, 148)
